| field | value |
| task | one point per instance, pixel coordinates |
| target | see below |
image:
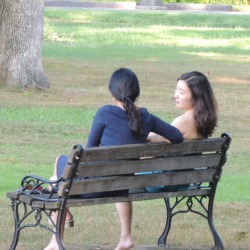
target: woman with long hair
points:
(193, 95)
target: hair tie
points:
(124, 98)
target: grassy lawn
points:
(81, 49)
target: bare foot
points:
(53, 244)
(125, 243)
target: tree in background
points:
(21, 32)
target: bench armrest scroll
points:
(33, 186)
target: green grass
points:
(81, 49)
(146, 30)
(42, 133)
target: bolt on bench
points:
(191, 171)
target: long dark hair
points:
(124, 86)
(205, 105)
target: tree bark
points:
(21, 32)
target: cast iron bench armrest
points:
(39, 188)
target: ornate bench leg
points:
(162, 241)
(20, 215)
(60, 228)
(217, 239)
(207, 214)
(59, 240)
(14, 206)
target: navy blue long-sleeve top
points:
(110, 128)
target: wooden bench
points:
(197, 163)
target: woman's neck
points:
(119, 104)
(189, 111)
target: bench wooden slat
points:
(114, 183)
(26, 199)
(135, 151)
(107, 168)
(13, 195)
(78, 202)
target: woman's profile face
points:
(183, 96)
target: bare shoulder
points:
(186, 124)
(182, 120)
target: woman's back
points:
(110, 127)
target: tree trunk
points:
(21, 32)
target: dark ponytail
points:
(124, 86)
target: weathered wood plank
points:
(135, 151)
(26, 199)
(13, 195)
(113, 183)
(68, 171)
(78, 202)
(107, 168)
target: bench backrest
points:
(119, 167)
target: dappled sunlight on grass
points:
(88, 29)
(188, 28)
(232, 80)
(154, 35)
(220, 57)
(199, 42)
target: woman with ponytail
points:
(118, 124)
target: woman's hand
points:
(153, 137)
